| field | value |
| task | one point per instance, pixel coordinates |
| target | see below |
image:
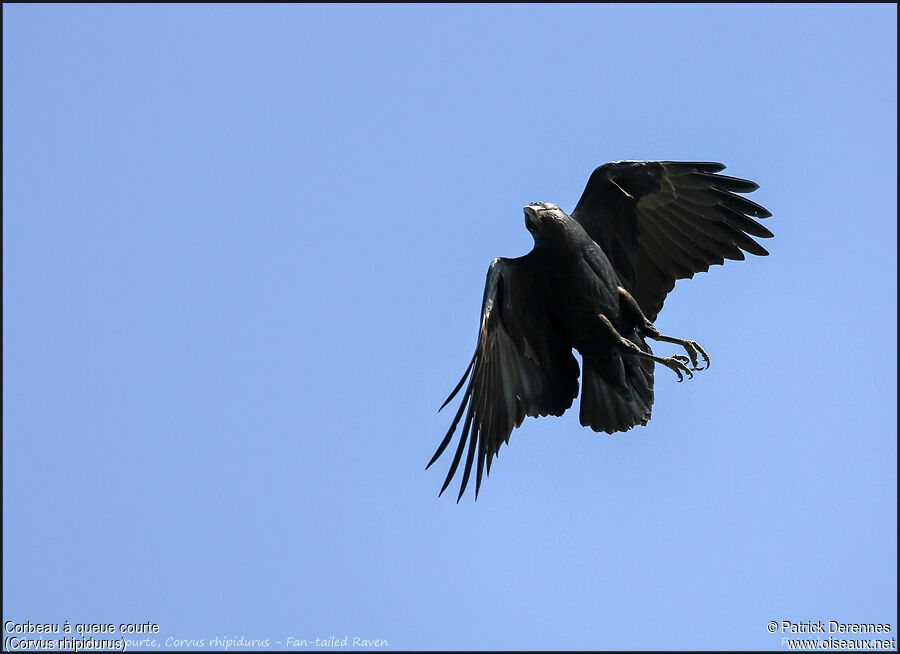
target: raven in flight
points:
(595, 281)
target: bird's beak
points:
(531, 217)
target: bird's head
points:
(541, 216)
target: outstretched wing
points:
(523, 366)
(659, 221)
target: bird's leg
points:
(676, 363)
(630, 306)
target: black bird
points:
(595, 281)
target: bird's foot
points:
(678, 364)
(692, 348)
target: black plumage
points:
(595, 281)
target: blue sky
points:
(244, 250)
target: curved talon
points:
(676, 365)
(685, 360)
(702, 352)
(692, 348)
